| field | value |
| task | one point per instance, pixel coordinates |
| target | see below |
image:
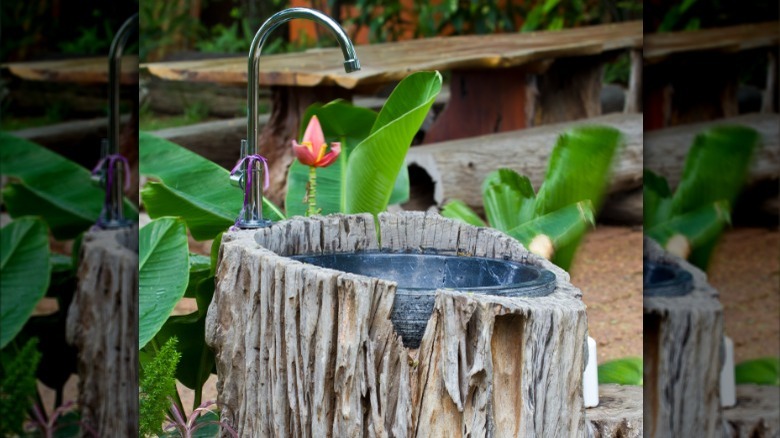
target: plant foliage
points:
(157, 384)
(18, 388)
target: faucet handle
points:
(236, 178)
(352, 65)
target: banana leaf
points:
(24, 273)
(625, 371)
(657, 199)
(508, 198)
(49, 185)
(163, 273)
(375, 164)
(762, 371)
(191, 187)
(698, 227)
(458, 210)
(563, 227)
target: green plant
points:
(763, 371)
(200, 418)
(552, 222)
(624, 371)
(157, 384)
(689, 221)
(17, 388)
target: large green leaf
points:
(163, 273)
(508, 198)
(375, 163)
(625, 371)
(58, 190)
(657, 199)
(24, 273)
(699, 227)
(563, 227)
(191, 187)
(716, 167)
(763, 371)
(458, 210)
(579, 169)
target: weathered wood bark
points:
(619, 413)
(458, 167)
(103, 325)
(306, 351)
(756, 415)
(682, 357)
(633, 102)
(666, 149)
(569, 90)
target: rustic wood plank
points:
(666, 149)
(103, 325)
(458, 167)
(306, 351)
(660, 46)
(388, 62)
(78, 71)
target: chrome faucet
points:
(112, 170)
(252, 213)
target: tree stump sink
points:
(665, 279)
(311, 349)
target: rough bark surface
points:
(756, 415)
(103, 325)
(458, 167)
(682, 357)
(307, 351)
(619, 413)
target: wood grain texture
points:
(458, 167)
(666, 149)
(756, 415)
(306, 351)
(619, 413)
(660, 46)
(103, 325)
(682, 357)
(388, 62)
(77, 71)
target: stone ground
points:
(608, 270)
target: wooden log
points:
(757, 413)
(306, 351)
(458, 167)
(103, 325)
(666, 149)
(682, 357)
(633, 103)
(619, 413)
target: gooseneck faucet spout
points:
(113, 170)
(252, 213)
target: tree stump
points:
(619, 413)
(307, 351)
(103, 325)
(682, 357)
(756, 415)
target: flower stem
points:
(312, 195)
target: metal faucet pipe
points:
(252, 214)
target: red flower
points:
(311, 151)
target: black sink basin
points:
(665, 280)
(419, 275)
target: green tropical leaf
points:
(49, 185)
(458, 210)
(163, 273)
(579, 169)
(374, 165)
(625, 371)
(716, 167)
(563, 227)
(200, 269)
(699, 227)
(763, 371)
(24, 273)
(191, 187)
(508, 199)
(657, 199)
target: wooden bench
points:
(681, 87)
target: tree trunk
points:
(756, 415)
(307, 351)
(682, 357)
(103, 325)
(619, 413)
